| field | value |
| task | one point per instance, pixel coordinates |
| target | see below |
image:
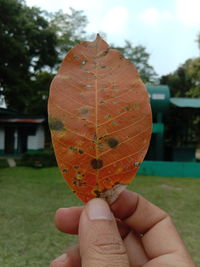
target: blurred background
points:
(162, 39)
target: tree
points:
(185, 80)
(198, 41)
(69, 28)
(27, 47)
(40, 86)
(33, 43)
(193, 74)
(177, 81)
(140, 57)
(184, 124)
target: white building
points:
(19, 134)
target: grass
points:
(29, 198)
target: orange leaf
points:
(100, 120)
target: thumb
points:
(99, 238)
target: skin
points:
(136, 233)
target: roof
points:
(157, 87)
(185, 102)
(23, 120)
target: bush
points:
(39, 159)
(3, 163)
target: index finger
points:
(159, 235)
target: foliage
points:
(185, 80)
(183, 125)
(38, 160)
(33, 42)
(69, 28)
(3, 163)
(140, 57)
(198, 40)
(193, 73)
(27, 47)
(40, 91)
(29, 198)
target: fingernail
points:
(98, 209)
(60, 261)
(62, 258)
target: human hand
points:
(135, 233)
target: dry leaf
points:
(100, 120)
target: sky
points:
(168, 29)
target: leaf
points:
(100, 120)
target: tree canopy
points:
(33, 42)
(69, 29)
(183, 125)
(27, 47)
(140, 57)
(185, 81)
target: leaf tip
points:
(98, 36)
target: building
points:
(169, 108)
(19, 134)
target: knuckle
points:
(108, 245)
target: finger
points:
(162, 239)
(99, 239)
(67, 219)
(136, 253)
(61, 261)
(122, 228)
(74, 259)
(138, 213)
(70, 226)
(146, 218)
(125, 204)
(69, 259)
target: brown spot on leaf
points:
(79, 183)
(127, 108)
(79, 175)
(56, 125)
(97, 193)
(84, 110)
(105, 52)
(107, 117)
(75, 58)
(80, 151)
(75, 166)
(112, 142)
(96, 164)
(75, 149)
(114, 122)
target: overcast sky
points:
(168, 29)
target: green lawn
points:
(30, 197)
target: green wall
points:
(170, 169)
